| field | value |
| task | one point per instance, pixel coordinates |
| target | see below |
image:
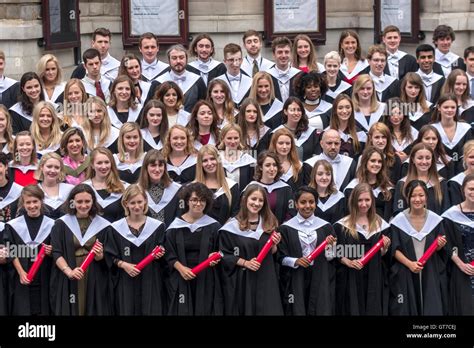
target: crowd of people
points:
(198, 161)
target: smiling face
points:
(332, 67)
(448, 110)
(344, 110)
(312, 91)
(218, 94)
(469, 192)
(366, 91)
(392, 41)
(306, 205)
(32, 205)
(444, 44)
(323, 177)
(170, 98)
(422, 161)
(460, 85)
(204, 49)
(133, 69)
(32, 89)
(425, 60)
(178, 140)
(51, 170)
(282, 57)
(24, 146)
(131, 140)
(469, 161)
(149, 50)
(51, 71)
(101, 165)
(269, 170)
(122, 92)
(374, 164)
(74, 145)
(303, 49)
(3, 122)
(349, 45)
(45, 119)
(233, 61)
(377, 63)
(255, 202)
(418, 198)
(293, 113)
(232, 140)
(209, 164)
(74, 94)
(263, 90)
(96, 114)
(83, 204)
(204, 116)
(136, 205)
(197, 205)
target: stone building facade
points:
(225, 20)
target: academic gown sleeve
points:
(455, 193)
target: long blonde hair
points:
(55, 128)
(8, 132)
(312, 57)
(122, 151)
(105, 125)
(112, 181)
(50, 155)
(189, 141)
(70, 109)
(359, 82)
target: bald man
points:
(344, 167)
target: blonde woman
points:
(50, 175)
(75, 97)
(129, 158)
(98, 130)
(102, 176)
(367, 110)
(6, 131)
(455, 183)
(336, 85)
(25, 161)
(50, 73)
(210, 172)
(263, 91)
(180, 154)
(45, 128)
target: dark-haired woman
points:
(190, 239)
(154, 125)
(75, 292)
(417, 289)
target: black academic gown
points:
(263, 142)
(63, 291)
(332, 208)
(247, 292)
(467, 115)
(149, 142)
(169, 203)
(9, 92)
(222, 209)
(245, 166)
(455, 189)
(9, 204)
(406, 64)
(129, 172)
(446, 171)
(4, 310)
(312, 290)
(400, 204)
(347, 144)
(54, 208)
(419, 119)
(213, 69)
(184, 173)
(202, 295)
(344, 169)
(111, 203)
(145, 293)
(20, 119)
(407, 297)
(290, 180)
(273, 114)
(290, 79)
(341, 87)
(23, 298)
(458, 229)
(365, 291)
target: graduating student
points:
(362, 290)
(75, 292)
(225, 191)
(443, 37)
(170, 94)
(469, 61)
(373, 171)
(455, 183)
(180, 154)
(50, 175)
(191, 84)
(256, 136)
(129, 241)
(250, 287)
(123, 106)
(218, 94)
(336, 85)
(190, 239)
(73, 147)
(30, 94)
(344, 167)
(129, 158)
(308, 288)
(343, 120)
(6, 132)
(149, 47)
(422, 167)
(282, 72)
(367, 110)
(310, 87)
(205, 65)
(350, 50)
(9, 88)
(50, 73)
(238, 164)
(304, 55)
(459, 234)
(9, 191)
(45, 128)
(386, 86)
(283, 144)
(263, 91)
(161, 191)
(203, 124)
(457, 84)
(154, 125)
(98, 130)
(95, 83)
(379, 137)
(102, 176)
(238, 82)
(412, 95)
(3, 275)
(331, 204)
(402, 132)
(131, 67)
(399, 63)
(253, 61)
(75, 98)
(417, 289)
(295, 120)
(454, 134)
(29, 232)
(25, 161)
(433, 81)
(280, 195)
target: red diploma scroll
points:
(317, 251)
(206, 263)
(148, 259)
(89, 259)
(36, 265)
(266, 248)
(429, 252)
(371, 253)
(472, 263)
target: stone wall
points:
(225, 20)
